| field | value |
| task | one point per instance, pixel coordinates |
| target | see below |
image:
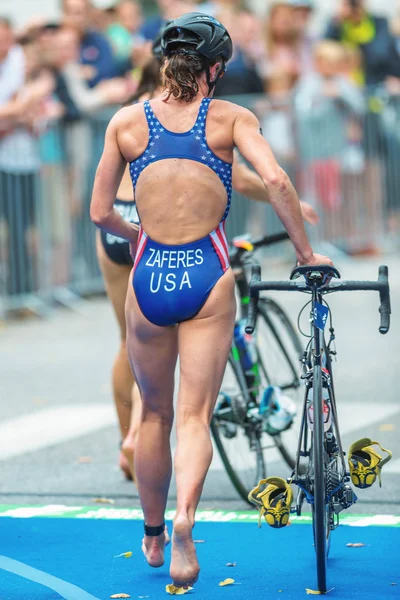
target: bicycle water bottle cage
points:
(318, 273)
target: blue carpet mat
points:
(75, 559)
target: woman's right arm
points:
(108, 177)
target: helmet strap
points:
(212, 84)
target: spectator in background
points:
(215, 7)
(79, 101)
(241, 76)
(279, 68)
(26, 87)
(302, 14)
(45, 37)
(167, 10)
(355, 26)
(123, 33)
(101, 19)
(380, 71)
(95, 50)
(325, 103)
(395, 28)
(12, 69)
(73, 90)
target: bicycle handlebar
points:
(236, 253)
(268, 240)
(381, 286)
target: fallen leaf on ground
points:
(176, 591)
(40, 401)
(199, 541)
(317, 592)
(356, 545)
(387, 427)
(104, 500)
(124, 555)
(280, 591)
(226, 582)
(85, 459)
(231, 564)
(120, 596)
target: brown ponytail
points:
(149, 80)
(180, 73)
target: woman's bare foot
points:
(184, 568)
(153, 548)
(127, 459)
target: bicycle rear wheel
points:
(279, 352)
(320, 516)
(238, 440)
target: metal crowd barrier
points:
(349, 174)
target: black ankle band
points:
(154, 531)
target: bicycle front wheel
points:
(237, 440)
(321, 525)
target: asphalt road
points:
(56, 403)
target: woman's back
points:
(180, 156)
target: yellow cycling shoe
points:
(273, 502)
(366, 464)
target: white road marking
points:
(66, 590)
(52, 426)
(357, 416)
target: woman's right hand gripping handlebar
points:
(248, 138)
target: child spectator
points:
(123, 34)
(325, 103)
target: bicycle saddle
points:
(315, 273)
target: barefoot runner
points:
(181, 296)
(116, 264)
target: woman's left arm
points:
(108, 177)
(249, 184)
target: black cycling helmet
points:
(156, 47)
(208, 36)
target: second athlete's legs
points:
(125, 392)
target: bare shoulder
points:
(126, 116)
(234, 111)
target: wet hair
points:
(150, 80)
(181, 71)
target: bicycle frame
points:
(313, 359)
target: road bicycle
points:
(320, 470)
(271, 357)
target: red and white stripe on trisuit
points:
(142, 239)
(220, 243)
